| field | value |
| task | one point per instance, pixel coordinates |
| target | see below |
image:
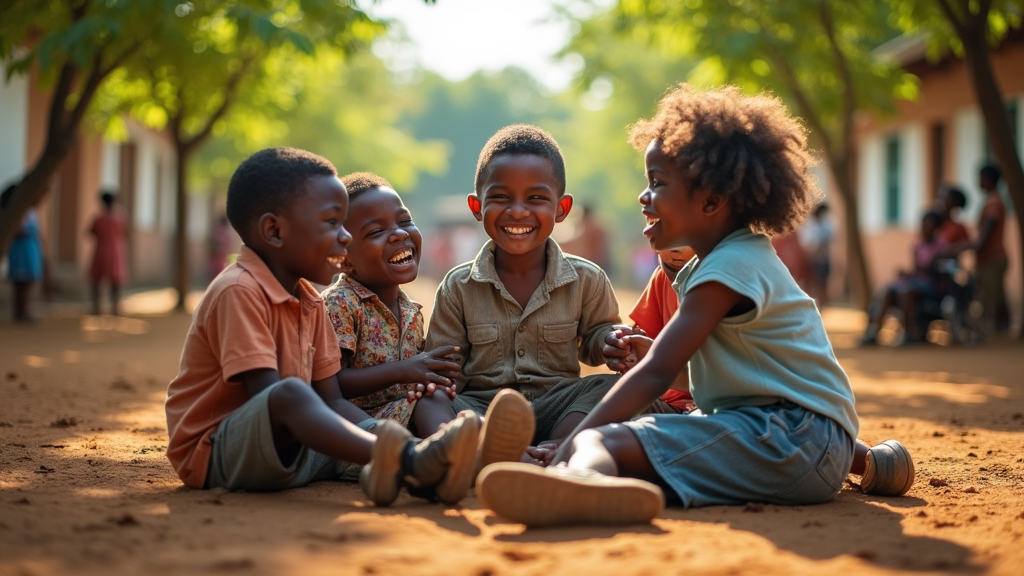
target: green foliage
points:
(347, 110)
(52, 33)
(218, 52)
(799, 49)
(926, 18)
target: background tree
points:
(815, 54)
(970, 28)
(75, 46)
(219, 53)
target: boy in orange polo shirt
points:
(242, 413)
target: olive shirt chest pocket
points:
(559, 350)
(486, 346)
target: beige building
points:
(939, 139)
(140, 171)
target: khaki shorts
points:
(244, 456)
(551, 407)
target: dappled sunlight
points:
(161, 509)
(98, 493)
(915, 388)
(843, 320)
(114, 324)
(158, 302)
(76, 357)
(33, 361)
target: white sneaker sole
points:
(537, 496)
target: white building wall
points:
(13, 127)
(912, 176)
(968, 157)
(154, 181)
(871, 183)
(110, 172)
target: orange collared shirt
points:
(245, 321)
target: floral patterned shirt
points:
(369, 334)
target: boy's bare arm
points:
(256, 381)
(433, 367)
(329, 391)
(700, 312)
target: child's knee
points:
(437, 401)
(291, 393)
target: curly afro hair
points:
(521, 139)
(358, 182)
(746, 148)
(269, 180)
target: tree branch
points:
(947, 9)
(230, 92)
(849, 97)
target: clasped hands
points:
(625, 347)
(432, 371)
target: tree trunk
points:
(182, 280)
(990, 100)
(857, 276)
(33, 187)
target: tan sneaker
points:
(558, 495)
(508, 429)
(454, 448)
(381, 479)
(888, 471)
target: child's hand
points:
(541, 454)
(428, 367)
(639, 345)
(618, 355)
(428, 390)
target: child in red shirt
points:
(655, 308)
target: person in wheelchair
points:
(914, 290)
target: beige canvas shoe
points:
(558, 495)
(381, 479)
(508, 429)
(458, 442)
(888, 471)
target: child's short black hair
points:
(107, 197)
(521, 139)
(269, 180)
(745, 148)
(934, 216)
(358, 182)
(955, 196)
(991, 172)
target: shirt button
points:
(521, 352)
(521, 328)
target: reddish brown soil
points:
(85, 487)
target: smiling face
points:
(385, 249)
(312, 237)
(519, 202)
(673, 211)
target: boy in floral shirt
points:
(379, 329)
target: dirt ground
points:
(85, 487)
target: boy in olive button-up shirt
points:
(523, 313)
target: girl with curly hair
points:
(777, 421)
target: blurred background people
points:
(109, 263)
(816, 239)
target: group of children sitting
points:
(281, 386)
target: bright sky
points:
(458, 37)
